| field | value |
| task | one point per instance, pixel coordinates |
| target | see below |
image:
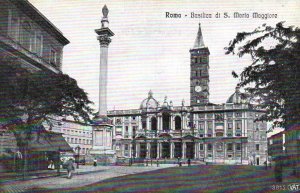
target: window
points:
(201, 125)
(14, 26)
(39, 44)
(126, 147)
(209, 125)
(26, 36)
(229, 146)
(238, 146)
(53, 56)
(229, 125)
(75, 140)
(79, 140)
(229, 114)
(126, 128)
(238, 125)
(72, 140)
(271, 141)
(133, 118)
(201, 135)
(83, 141)
(238, 114)
(209, 147)
(257, 147)
(201, 146)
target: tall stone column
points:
(102, 127)
(104, 34)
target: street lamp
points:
(78, 148)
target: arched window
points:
(153, 124)
(177, 123)
(166, 121)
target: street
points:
(169, 178)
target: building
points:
(29, 37)
(32, 43)
(276, 145)
(216, 133)
(76, 134)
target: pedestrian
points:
(189, 162)
(51, 165)
(70, 167)
(157, 163)
(95, 162)
(278, 169)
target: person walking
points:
(95, 162)
(189, 162)
(70, 167)
(51, 165)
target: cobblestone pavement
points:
(85, 175)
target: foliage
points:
(273, 77)
(30, 98)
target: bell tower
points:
(199, 77)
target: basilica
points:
(213, 133)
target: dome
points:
(237, 97)
(149, 103)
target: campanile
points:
(199, 77)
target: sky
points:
(151, 51)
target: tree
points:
(30, 98)
(273, 77)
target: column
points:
(183, 150)
(225, 151)
(130, 150)
(172, 123)
(213, 152)
(158, 150)
(172, 150)
(196, 145)
(137, 151)
(233, 127)
(158, 123)
(148, 150)
(147, 124)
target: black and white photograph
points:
(134, 96)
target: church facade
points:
(215, 133)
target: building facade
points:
(29, 38)
(216, 133)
